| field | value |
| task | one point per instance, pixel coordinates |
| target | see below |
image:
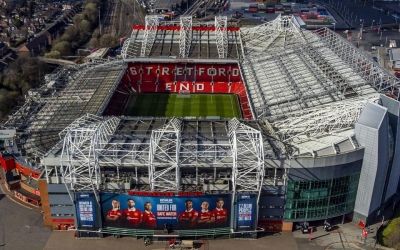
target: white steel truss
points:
(150, 33)
(221, 25)
(280, 32)
(79, 158)
(185, 38)
(248, 157)
(164, 174)
(319, 122)
(378, 77)
(125, 52)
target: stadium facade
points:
(317, 138)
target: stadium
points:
(255, 128)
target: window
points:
(320, 198)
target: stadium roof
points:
(183, 40)
(306, 89)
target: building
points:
(317, 137)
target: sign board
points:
(7, 133)
(397, 64)
(155, 212)
(85, 210)
(246, 209)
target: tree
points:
(91, 12)
(63, 47)
(85, 26)
(71, 34)
(93, 43)
(53, 54)
(18, 23)
(77, 20)
(96, 33)
(108, 40)
(8, 100)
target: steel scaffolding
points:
(149, 35)
(164, 171)
(80, 168)
(185, 36)
(319, 122)
(280, 32)
(371, 71)
(221, 24)
(248, 157)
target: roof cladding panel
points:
(288, 70)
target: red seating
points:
(118, 101)
(196, 78)
(166, 73)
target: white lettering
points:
(235, 72)
(179, 71)
(189, 71)
(133, 71)
(165, 71)
(184, 86)
(168, 86)
(221, 72)
(200, 86)
(148, 70)
(201, 71)
(211, 72)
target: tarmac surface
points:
(21, 227)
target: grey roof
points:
(160, 4)
(372, 115)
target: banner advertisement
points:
(176, 212)
(85, 210)
(246, 209)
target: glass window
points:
(320, 198)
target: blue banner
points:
(246, 209)
(176, 212)
(85, 210)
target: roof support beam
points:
(149, 37)
(221, 24)
(185, 38)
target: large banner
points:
(246, 212)
(85, 210)
(177, 212)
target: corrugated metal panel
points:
(62, 210)
(372, 115)
(271, 212)
(56, 188)
(373, 136)
(61, 199)
(272, 201)
(393, 107)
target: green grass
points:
(169, 105)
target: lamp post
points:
(372, 24)
(99, 20)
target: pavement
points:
(22, 227)
(344, 236)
